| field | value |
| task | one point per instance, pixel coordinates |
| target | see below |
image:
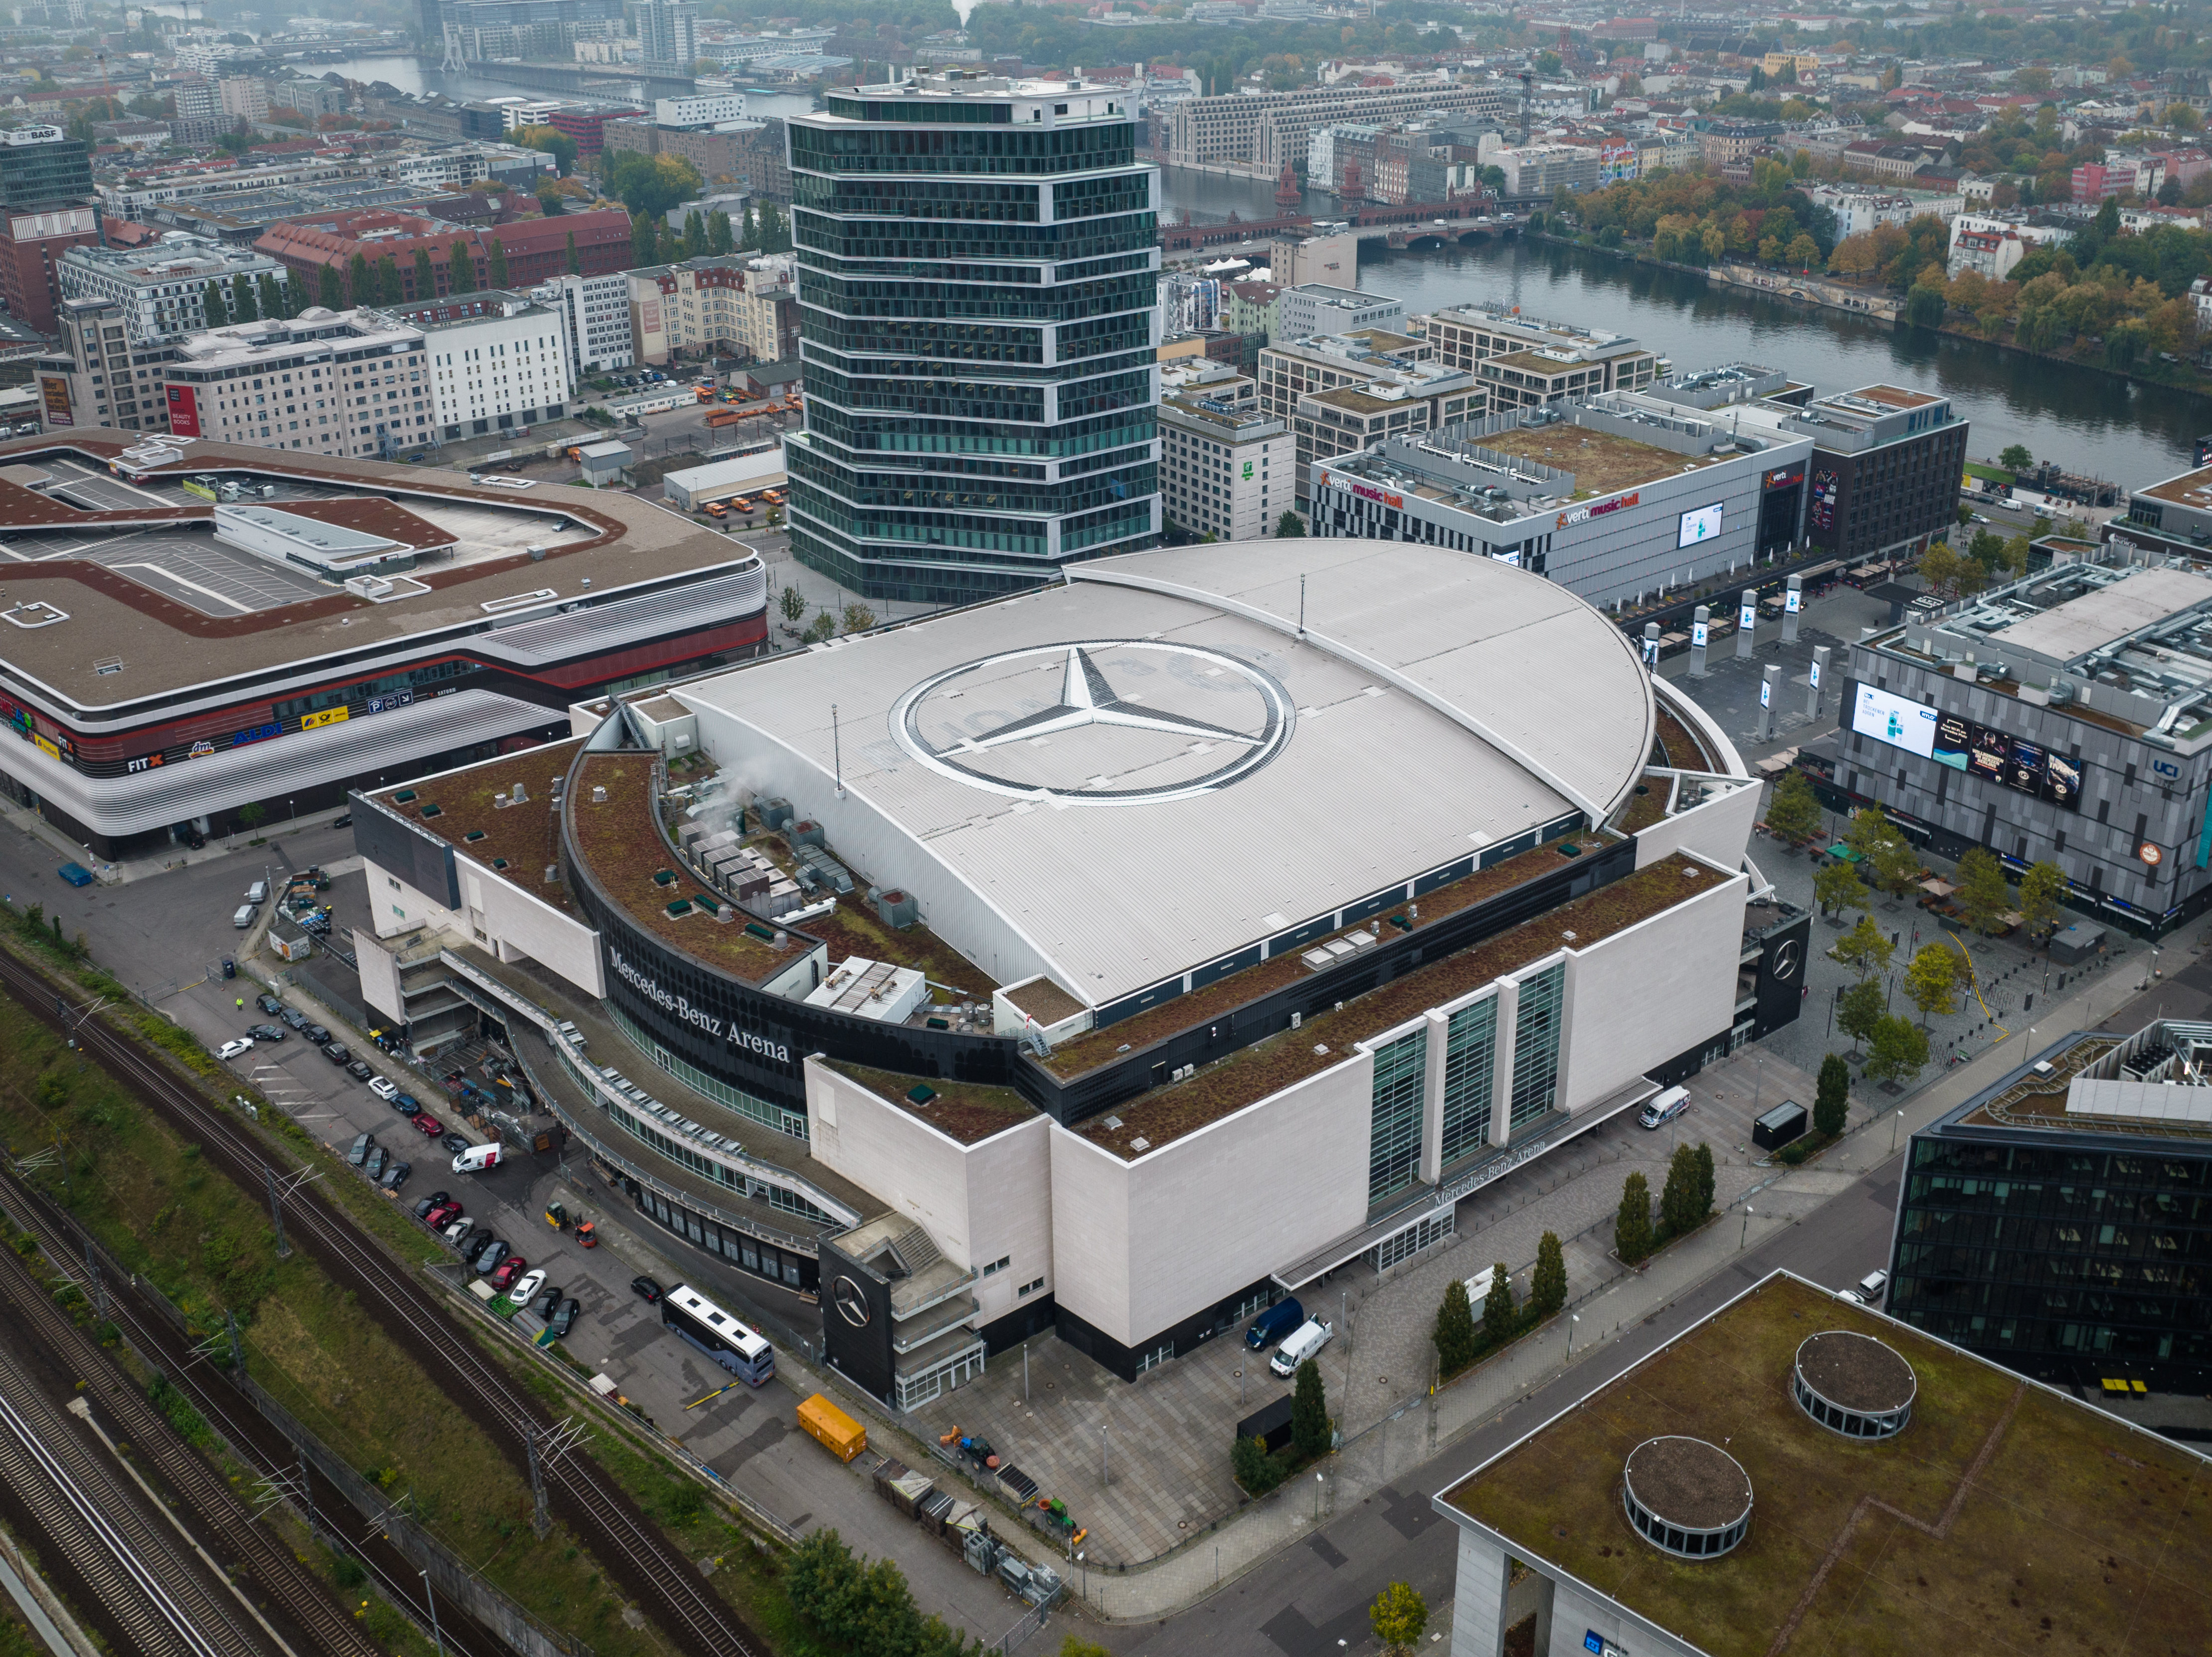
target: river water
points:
(2132, 434)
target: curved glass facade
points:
(977, 278)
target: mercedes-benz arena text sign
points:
(1075, 771)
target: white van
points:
(258, 892)
(1307, 1339)
(1665, 1108)
(244, 919)
(476, 1158)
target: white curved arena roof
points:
(1146, 769)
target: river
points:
(2131, 433)
(411, 74)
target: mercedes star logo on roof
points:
(1182, 765)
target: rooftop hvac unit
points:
(897, 909)
(775, 814)
(806, 834)
(599, 793)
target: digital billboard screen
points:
(1701, 525)
(1892, 719)
(1995, 756)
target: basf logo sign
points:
(184, 412)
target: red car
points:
(445, 1214)
(427, 1125)
(507, 1271)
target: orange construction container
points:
(834, 1430)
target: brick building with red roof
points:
(537, 249)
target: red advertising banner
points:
(184, 411)
(57, 401)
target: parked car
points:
(360, 1149)
(1869, 1289)
(563, 1319)
(424, 1208)
(456, 1230)
(384, 1087)
(338, 1053)
(427, 1125)
(359, 1070)
(265, 1032)
(406, 1104)
(292, 1017)
(507, 1271)
(395, 1176)
(647, 1290)
(453, 1141)
(546, 1301)
(441, 1215)
(527, 1290)
(1665, 1108)
(235, 1049)
(269, 1004)
(1307, 1339)
(373, 1167)
(343, 819)
(473, 1243)
(494, 1252)
(315, 1032)
(1270, 1326)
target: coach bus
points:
(744, 1352)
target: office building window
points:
(1393, 1154)
(1536, 1045)
(1470, 1052)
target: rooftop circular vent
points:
(1686, 1496)
(1853, 1385)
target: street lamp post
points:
(1893, 1121)
(1746, 1235)
(1082, 1560)
(1573, 1317)
(1319, 1481)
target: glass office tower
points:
(978, 267)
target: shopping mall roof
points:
(1156, 741)
(519, 558)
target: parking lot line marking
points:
(171, 574)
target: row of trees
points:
(1685, 1203)
(1460, 1342)
(244, 300)
(856, 617)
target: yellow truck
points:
(830, 1427)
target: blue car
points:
(1274, 1323)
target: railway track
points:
(666, 1587)
(138, 1580)
(226, 1520)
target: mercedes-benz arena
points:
(193, 627)
(1110, 958)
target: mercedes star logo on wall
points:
(1785, 959)
(1117, 732)
(852, 1304)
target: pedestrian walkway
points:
(1397, 1446)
